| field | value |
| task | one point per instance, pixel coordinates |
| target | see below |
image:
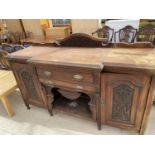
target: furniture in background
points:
(11, 42)
(146, 34)
(106, 32)
(118, 83)
(133, 45)
(13, 37)
(39, 40)
(119, 24)
(99, 33)
(4, 64)
(7, 86)
(5, 49)
(60, 32)
(3, 37)
(11, 47)
(126, 34)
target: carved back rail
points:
(80, 40)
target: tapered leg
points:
(7, 106)
(95, 108)
(98, 104)
(50, 99)
(28, 106)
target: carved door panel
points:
(29, 84)
(123, 97)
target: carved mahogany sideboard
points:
(119, 82)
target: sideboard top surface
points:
(140, 58)
(32, 51)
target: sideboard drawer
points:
(65, 75)
(78, 87)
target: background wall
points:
(84, 25)
(37, 26)
(33, 25)
(13, 25)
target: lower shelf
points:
(78, 108)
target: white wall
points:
(33, 25)
(84, 25)
(13, 25)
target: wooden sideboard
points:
(119, 82)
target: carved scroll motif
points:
(29, 84)
(122, 102)
(80, 40)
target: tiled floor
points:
(38, 121)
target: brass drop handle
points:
(50, 82)
(79, 87)
(47, 73)
(77, 77)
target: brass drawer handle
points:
(47, 73)
(41, 43)
(79, 87)
(77, 77)
(50, 82)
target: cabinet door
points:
(28, 83)
(123, 99)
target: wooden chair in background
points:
(146, 34)
(106, 32)
(126, 34)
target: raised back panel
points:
(80, 40)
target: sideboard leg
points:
(28, 106)
(50, 99)
(98, 109)
(92, 106)
(95, 107)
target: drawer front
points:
(65, 75)
(74, 86)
